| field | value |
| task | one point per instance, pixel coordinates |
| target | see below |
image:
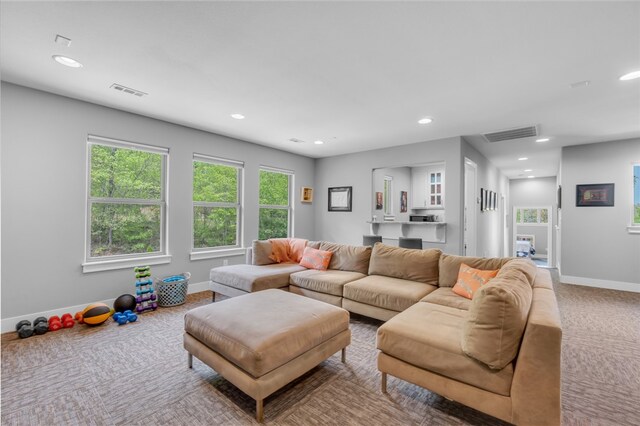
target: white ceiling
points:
(356, 75)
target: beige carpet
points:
(137, 374)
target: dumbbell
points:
(40, 325)
(79, 318)
(54, 323)
(124, 317)
(24, 329)
(67, 321)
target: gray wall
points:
(43, 196)
(490, 224)
(535, 193)
(595, 241)
(401, 182)
(356, 170)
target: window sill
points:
(633, 229)
(212, 254)
(109, 265)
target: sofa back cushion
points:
(261, 252)
(449, 266)
(526, 266)
(407, 264)
(497, 317)
(348, 258)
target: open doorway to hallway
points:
(532, 237)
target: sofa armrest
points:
(535, 390)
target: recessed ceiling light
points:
(237, 116)
(630, 76)
(542, 140)
(67, 61)
(425, 120)
(528, 170)
(523, 158)
(530, 177)
(318, 142)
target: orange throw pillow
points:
(297, 246)
(470, 280)
(316, 259)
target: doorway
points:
(470, 210)
(532, 235)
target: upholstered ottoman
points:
(262, 341)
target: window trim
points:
(539, 216)
(219, 251)
(634, 227)
(104, 263)
(290, 207)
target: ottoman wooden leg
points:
(259, 410)
(190, 360)
(344, 355)
(384, 383)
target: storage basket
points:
(172, 289)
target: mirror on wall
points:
(409, 193)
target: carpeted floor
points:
(137, 374)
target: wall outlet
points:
(225, 262)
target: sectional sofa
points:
(498, 352)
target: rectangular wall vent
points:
(125, 89)
(507, 135)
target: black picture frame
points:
(595, 195)
(482, 200)
(559, 197)
(340, 199)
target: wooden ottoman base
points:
(261, 387)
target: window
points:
(636, 195)
(217, 208)
(532, 216)
(388, 195)
(126, 200)
(276, 212)
(435, 189)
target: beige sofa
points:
(498, 353)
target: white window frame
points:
(104, 263)
(387, 190)
(633, 228)
(219, 251)
(538, 216)
(290, 207)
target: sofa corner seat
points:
(236, 280)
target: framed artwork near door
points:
(483, 204)
(595, 195)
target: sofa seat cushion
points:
(386, 292)
(252, 278)
(428, 336)
(245, 331)
(446, 297)
(329, 281)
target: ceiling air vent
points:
(125, 89)
(296, 140)
(507, 135)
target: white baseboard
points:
(592, 282)
(9, 324)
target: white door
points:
(470, 208)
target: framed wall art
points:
(340, 199)
(306, 194)
(595, 195)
